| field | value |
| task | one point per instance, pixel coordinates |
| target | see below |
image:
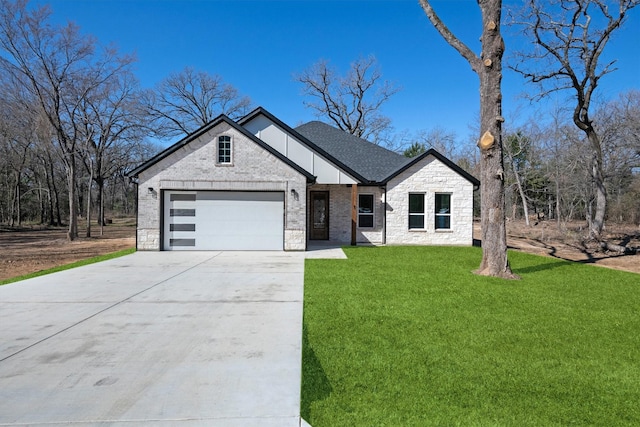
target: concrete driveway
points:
(156, 338)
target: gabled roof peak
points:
(204, 129)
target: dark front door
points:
(319, 215)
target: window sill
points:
(444, 230)
(418, 230)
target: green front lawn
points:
(408, 336)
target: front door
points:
(319, 215)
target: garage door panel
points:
(184, 242)
(249, 196)
(182, 227)
(210, 220)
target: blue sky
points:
(257, 46)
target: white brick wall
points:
(193, 167)
(430, 177)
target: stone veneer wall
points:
(429, 177)
(193, 167)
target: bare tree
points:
(569, 38)
(59, 67)
(351, 102)
(516, 148)
(113, 125)
(15, 145)
(50, 168)
(618, 124)
(437, 138)
(187, 100)
(16, 138)
(488, 67)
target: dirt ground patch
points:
(33, 249)
(570, 242)
(28, 250)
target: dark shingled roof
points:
(371, 161)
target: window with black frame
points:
(443, 211)
(224, 149)
(416, 210)
(365, 210)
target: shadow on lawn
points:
(541, 267)
(315, 384)
(558, 262)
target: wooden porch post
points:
(354, 213)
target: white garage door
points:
(223, 220)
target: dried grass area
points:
(32, 249)
(570, 241)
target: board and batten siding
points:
(430, 177)
(299, 153)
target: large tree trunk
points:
(597, 176)
(494, 233)
(489, 69)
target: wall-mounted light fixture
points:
(295, 194)
(150, 190)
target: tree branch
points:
(474, 61)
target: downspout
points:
(354, 213)
(384, 214)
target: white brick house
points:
(258, 184)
